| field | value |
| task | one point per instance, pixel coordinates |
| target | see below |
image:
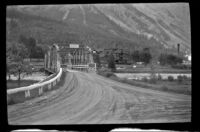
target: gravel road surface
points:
(87, 98)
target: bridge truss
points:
(70, 56)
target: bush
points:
(152, 80)
(159, 77)
(170, 59)
(180, 66)
(170, 78)
(10, 101)
(109, 74)
(164, 88)
(185, 77)
(180, 78)
(106, 73)
(144, 79)
(114, 77)
(111, 63)
(41, 70)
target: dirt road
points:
(91, 99)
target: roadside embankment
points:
(22, 94)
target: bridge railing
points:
(23, 93)
(89, 67)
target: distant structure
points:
(71, 56)
(121, 56)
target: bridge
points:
(70, 56)
(87, 98)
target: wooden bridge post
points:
(40, 90)
(49, 86)
(27, 93)
(45, 61)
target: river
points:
(139, 76)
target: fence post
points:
(27, 93)
(54, 83)
(40, 90)
(49, 86)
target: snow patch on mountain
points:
(65, 15)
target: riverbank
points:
(175, 86)
(147, 69)
(140, 76)
(157, 71)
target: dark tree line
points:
(170, 59)
(142, 56)
(30, 43)
(15, 64)
(17, 52)
(111, 62)
(97, 59)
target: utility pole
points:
(178, 48)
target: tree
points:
(97, 59)
(146, 56)
(37, 52)
(15, 56)
(8, 61)
(111, 62)
(136, 56)
(31, 46)
(163, 59)
(23, 40)
(170, 59)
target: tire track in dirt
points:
(87, 98)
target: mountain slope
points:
(100, 26)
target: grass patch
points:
(147, 69)
(164, 88)
(170, 85)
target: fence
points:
(23, 93)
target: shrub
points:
(171, 60)
(111, 63)
(109, 74)
(124, 80)
(159, 77)
(41, 69)
(164, 88)
(106, 73)
(114, 77)
(152, 80)
(144, 79)
(188, 92)
(170, 78)
(10, 101)
(185, 77)
(180, 78)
